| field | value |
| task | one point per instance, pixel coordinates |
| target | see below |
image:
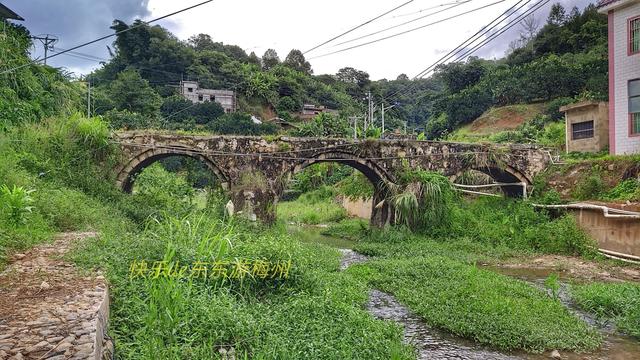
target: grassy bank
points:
(480, 305)
(617, 302)
(315, 313)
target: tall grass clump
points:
(518, 225)
(423, 201)
(315, 207)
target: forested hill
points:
(564, 60)
(137, 87)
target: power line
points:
(143, 23)
(410, 30)
(484, 30)
(404, 23)
(359, 26)
(491, 37)
(425, 9)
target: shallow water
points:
(313, 234)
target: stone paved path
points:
(49, 309)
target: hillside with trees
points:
(555, 62)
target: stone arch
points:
(138, 163)
(381, 215)
(501, 174)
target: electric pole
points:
(88, 97)
(382, 108)
(47, 42)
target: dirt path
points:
(48, 309)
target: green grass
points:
(619, 302)
(316, 207)
(317, 313)
(480, 305)
(350, 229)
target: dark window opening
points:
(582, 130)
(190, 89)
(200, 98)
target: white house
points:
(624, 74)
(192, 91)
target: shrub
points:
(553, 108)
(16, 203)
(590, 187)
(240, 124)
(625, 190)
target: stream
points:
(434, 344)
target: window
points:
(190, 89)
(634, 107)
(634, 36)
(582, 130)
(200, 98)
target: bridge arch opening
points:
(347, 165)
(494, 174)
(200, 171)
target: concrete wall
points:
(358, 208)
(618, 235)
(624, 67)
(598, 112)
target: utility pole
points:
(367, 121)
(355, 126)
(383, 108)
(88, 97)
(47, 42)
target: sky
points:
(257, 25)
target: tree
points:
(402, 77)
(460, 75)
(530, 28)
(131, 92)
(201, 42)
(270, 59)
(296, 61)
(557, 15)
(240, 124)
(353, 76)
(207, 111)
(254, 59)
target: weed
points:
(552, 284)
(619, 302)
(16, 202)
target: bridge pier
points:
(255, 204)
(382, 210)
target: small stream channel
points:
(435, 344)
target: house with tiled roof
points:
(624, 74)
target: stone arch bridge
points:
(255, 170)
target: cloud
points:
(75, 22)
